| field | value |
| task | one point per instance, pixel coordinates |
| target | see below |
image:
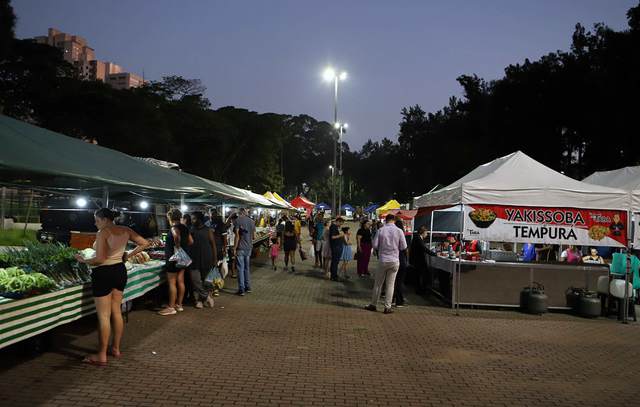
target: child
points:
(275, 249)
(347, 254)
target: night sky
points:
(268, 56)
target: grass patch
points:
(16, 237)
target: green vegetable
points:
(55, 261)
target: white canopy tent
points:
(517, 179)
(627, 178)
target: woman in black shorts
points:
(178, 237)
(108, 280)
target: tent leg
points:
(459, 264)
(105, 197)
(26, 221)
(2, 199)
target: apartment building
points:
(124, 80)
(77, 52)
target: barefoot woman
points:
(108, 279)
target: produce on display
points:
(55, 261)
(88, 253)
(15, 282)
(140, 258)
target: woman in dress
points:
(108, 280)
(347, 252)
(290, 244)
(204, 255)
(364, 242)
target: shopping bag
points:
(312, 251)
(214, 278)
(224, 267)
(356, 256)
(181, 258)
(303, 255)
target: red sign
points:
(582, 227)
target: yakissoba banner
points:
(581, 227)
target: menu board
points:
(580, 227)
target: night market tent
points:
(347, 207)
(277, 200)
(259, 200)
(519, 185)
(407, 216)
(282, 200)
(323, 206)
(371, 208)
(271, 198)
(401, 213)
(627, 178)
(33, 157)
(302, 202)
(519, 180)
(392, 204)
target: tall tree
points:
(7, 26)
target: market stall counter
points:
(28, 317)
(489, 283)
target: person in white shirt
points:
(389, 241)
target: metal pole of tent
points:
(26, 221)
(2, 199)
(459, 285)
(105, 197)
(625, 311)
(431, 230)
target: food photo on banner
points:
(571, 226)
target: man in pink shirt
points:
(389, 241)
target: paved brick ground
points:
(302, 340)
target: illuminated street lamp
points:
(341, 127)
(330, 75)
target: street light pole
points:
(335, 120)
(341, 127)
(340, 171)
(331, 75)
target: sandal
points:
(115, 355)
(89, 361)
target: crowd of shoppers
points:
(210, 240)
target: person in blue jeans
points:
(245, 231)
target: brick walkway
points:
(302, 340)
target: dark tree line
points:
(575, 111)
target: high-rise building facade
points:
(77, 52)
